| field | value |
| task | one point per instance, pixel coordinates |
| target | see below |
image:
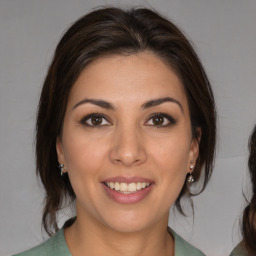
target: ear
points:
(194, 147)
(60, 153)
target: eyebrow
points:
(146, 105)
(157, 102)
(100, 103)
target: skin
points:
(128, 142)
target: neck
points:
(85, 238)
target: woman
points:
(126, 123)
(248, 245)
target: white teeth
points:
(132, 187)
(117, 186)
(127, 187)
(123, 187)
(111, 185)
(138, 186)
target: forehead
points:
(126, 79)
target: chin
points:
(129, 222)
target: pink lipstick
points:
(127, 190)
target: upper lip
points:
(127, 179)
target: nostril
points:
(128, 161)
(128, 151)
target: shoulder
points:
(55, 246)
(182, 247)
(239, 250)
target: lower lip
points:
(131, 198)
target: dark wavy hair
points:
(249, 214)
(112, 31)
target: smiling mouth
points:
(127, 188)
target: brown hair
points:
(249, 215)
(114, 31)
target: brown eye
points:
(158, 120)
(96, 120)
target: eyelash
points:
(85, 119)
(170, 120)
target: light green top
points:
(56, 246)
(239, 250)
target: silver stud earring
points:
(61, 166)
(190, 178)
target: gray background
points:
(224, 35)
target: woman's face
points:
(127, 142)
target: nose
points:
(128, 147)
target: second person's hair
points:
(249, 215)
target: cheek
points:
(84, 160)
(172, 168)
(171, 162)
(172, 152)
(172, 176)
(83, 154)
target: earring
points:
(61, 167)
(190, 178)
